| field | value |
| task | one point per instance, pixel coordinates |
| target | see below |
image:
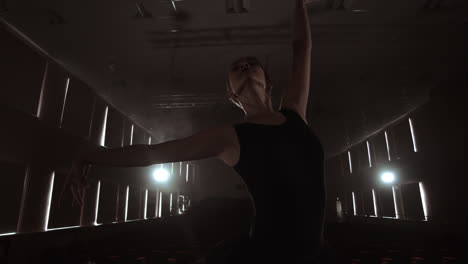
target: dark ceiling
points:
(372, 61)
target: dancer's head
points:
(247, 69)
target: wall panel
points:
(368, 202)
(362, 156)
(379, 148)
(359, 202)
(107, 202)
(78, 109)
(11, 189)
(165, 210)
(127, 132)
(68, 212)
(412, 200)
(139, 136)
(403, 141)
(151, 208)
(133, 203)
(386, 201)
(114, 132)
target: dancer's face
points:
(243, 69)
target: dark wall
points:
(12, 178)
(31, 81)
(438, 162)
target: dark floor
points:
(204, 235)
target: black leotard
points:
(282, 166)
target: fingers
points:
(68, 183)
(77, 189)
(88, 180)
(78, 180)
(76, 177)
(87, 169)
(78, 194)
(75, 193)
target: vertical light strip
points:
(339, 209)
(183, 203)
(350, 163)
(149, 141)
(97, 202)
(104, 127)
(413, 136)
(187, 173)
(424, 201)
(174, 5)
(397, 213)
(49, 200)
(160, 204)
(368, 154)
(131, 136)
(180, 168)
(145, 204)
(374, 198)
(354, 204)
(156, 206)
(388, 146)
(64, 101)
(41, 96)
(124, 133)
(170, 203)
(126, 204)
(177, 204)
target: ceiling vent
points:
(235, 36)
(173, 101)
(237, 6)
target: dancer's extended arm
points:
(205, 144)
(297, 93)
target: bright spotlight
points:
(388, 177)
(161, 175)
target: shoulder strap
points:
(292, 113)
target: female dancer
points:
(275, 152)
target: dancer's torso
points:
(281, 162)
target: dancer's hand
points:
(78, 178)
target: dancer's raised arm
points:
(297, 93)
